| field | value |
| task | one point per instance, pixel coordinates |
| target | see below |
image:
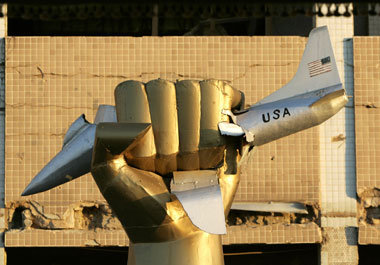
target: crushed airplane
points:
(194, 133)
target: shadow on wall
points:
(348, 82)
(351, 235)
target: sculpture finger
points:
(215, 96)
(163, 111)
(189, 114)
(132, 107)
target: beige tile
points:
(367, 125)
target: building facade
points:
(318, 188)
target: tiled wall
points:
(271, 234)
(369, 235)
(367, 111)
(52, 80)
(274, 234)
(367, 123)
(65, 238)
(277, 172)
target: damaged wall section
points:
(79, 216)
(98, 215)
(369, 206)
(94, 224)
(269, 218)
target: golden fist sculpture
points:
(164, 127)
(166, 157)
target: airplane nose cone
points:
(73, 161)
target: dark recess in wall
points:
(369, 254)
(292, 254)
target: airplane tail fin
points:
(313, 95)
(317, 69)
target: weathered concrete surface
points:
(369, 206)
(98, 215)
(339, 246)
(78, 216)
(94, 224)
(264, 218)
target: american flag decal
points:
(319, 66)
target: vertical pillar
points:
(339, 246)
(337, 155)
(155, 20)
(3, 34)
(374, 21)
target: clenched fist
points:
(164, 127)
